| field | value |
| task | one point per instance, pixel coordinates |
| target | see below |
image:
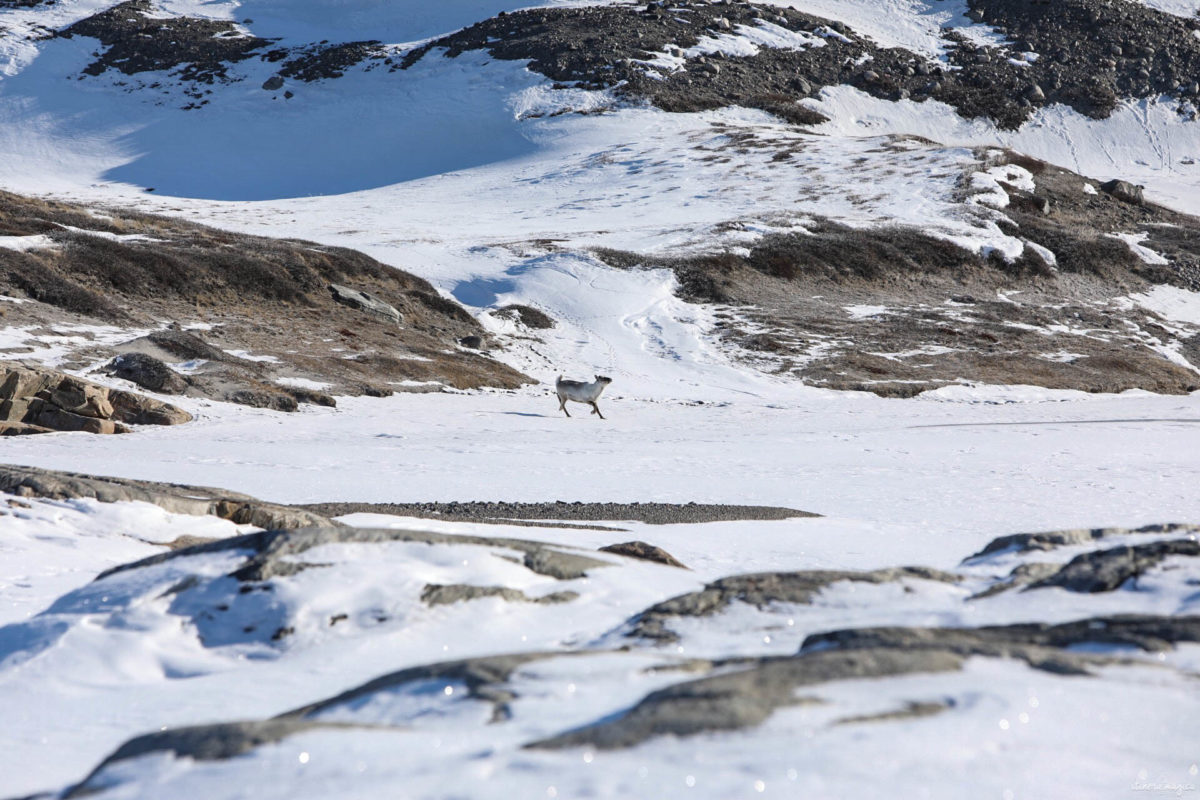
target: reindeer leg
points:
(562, 406)
(596, 409)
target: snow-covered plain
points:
(453, 170)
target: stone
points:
(20, 410)
(80, 397)
(137, 409)
(147, 372)
(21, 429)
(273, 83)
(761, 589)
(1124, 191)
(437, 594)
(643, 551)
(364, 301)
(1049, 540)
(20, 382)
(60, 420)
(1107, 570)
(1035, 93)
(746, 697)
(472, 342)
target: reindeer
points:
(580, 392)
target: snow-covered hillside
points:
(977, 570)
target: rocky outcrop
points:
(748, 696)
(761, 590)
(1124, 191)
(253, 316)
(484, 679)
(1056, 53)
(273, 552)
(364, 301)
(179, 499)
(147, 372)
(203, 743)
(45, 400)
(439, 594)
(1049, 540)
(1107, 570)
(643, 551)
(1042, 645)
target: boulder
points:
(21, 382)
(80, 397)
(364, 302)
(59, 419)
(643, 551)
(137, 409)
(147, 372)
(1124, 191)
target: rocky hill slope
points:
(183, 309)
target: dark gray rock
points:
(263, 397)
(1106, 570)
(762, 589)
(273, 83)
(1021, 575)
(1041, 645)
(745, 698)
(437, 594)
(472, 342)
(1124, 191)
(365, 301)
(203, 743)
(484, 678)
(1049, 540)
(147, 372)
(910, 710)
(643, 551)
